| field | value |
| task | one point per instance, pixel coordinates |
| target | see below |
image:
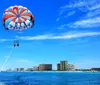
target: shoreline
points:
(53, 71)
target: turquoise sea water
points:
(49, 78)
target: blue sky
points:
(64, 30)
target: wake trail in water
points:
(6, 59)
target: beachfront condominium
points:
(58, 67)
(29, 69)
(45, 67)
(71, 67)
(64, 65)
(19, 69)
(35, 68)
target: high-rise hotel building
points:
(45, 67)
(64, 66)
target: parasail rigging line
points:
(7, 59)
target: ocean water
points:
(49, 78)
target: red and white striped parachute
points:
(17, 18)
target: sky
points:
(63, 30)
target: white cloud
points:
(58, 19)
(69, 35)
(91, 17)
(83, 5)
(74, 5)
(70, 14)
(38, 37)
(95, 7)
(23, 61)
(88, 23)
(92, 14)
(62, 26)
(3, 40)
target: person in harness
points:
(16, 43)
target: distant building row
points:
(62, 66)
(41, 67)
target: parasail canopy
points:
(17, 18)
